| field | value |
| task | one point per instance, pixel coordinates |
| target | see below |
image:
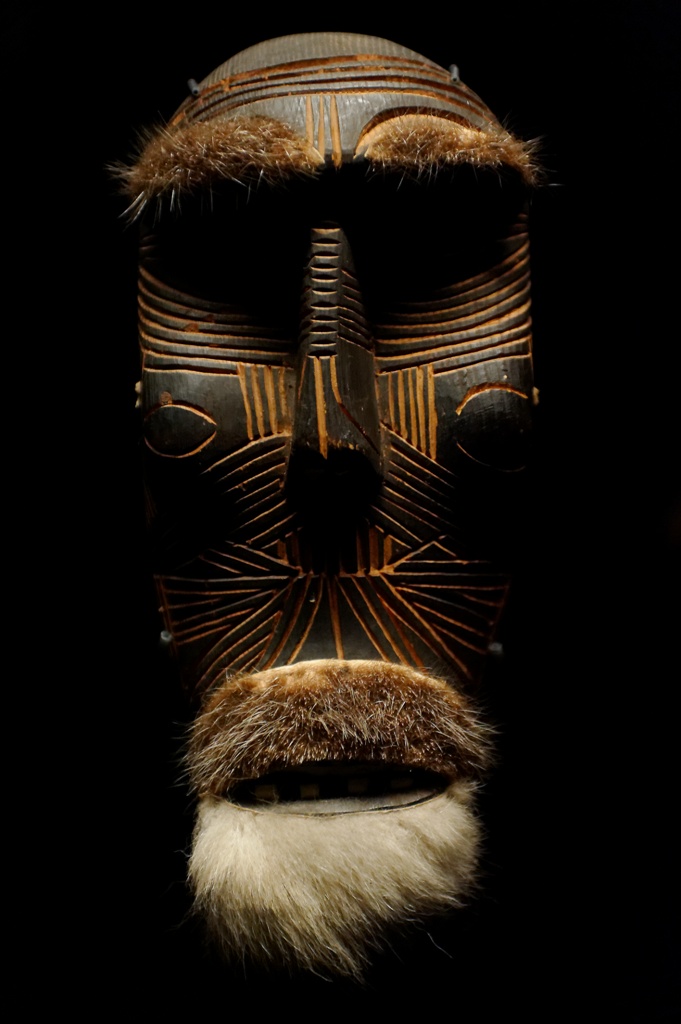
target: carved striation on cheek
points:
(408, 398)
(455, 365)
(470, 319)
(263, 389)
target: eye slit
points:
(178, 430)
(493, 427)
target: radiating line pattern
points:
(402, 575)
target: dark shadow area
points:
(576, 917)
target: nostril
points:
(337, 487)
(330, 500)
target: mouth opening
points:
(332, 787)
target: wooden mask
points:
(336, 394)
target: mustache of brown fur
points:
(317, 885)
(332, 710)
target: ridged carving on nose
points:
(337, 406)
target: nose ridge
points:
(336, 418)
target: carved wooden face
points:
(336, 389)
(336, 379)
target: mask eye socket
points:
(235, 247)
(411, 237)
(246, 248)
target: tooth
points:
(264, 792)
(309, 791)
(358, 786)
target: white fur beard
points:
(320, 891)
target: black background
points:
(577, 914)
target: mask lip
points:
(338, 787)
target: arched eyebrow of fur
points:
(423, 144)
(173, 163)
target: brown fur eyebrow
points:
(426, 143)
(173, 163)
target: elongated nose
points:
(336, 429)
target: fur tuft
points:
(332, 710)
(319, 892)
(173, 163)
(426, 143)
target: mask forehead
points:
(331, 87)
